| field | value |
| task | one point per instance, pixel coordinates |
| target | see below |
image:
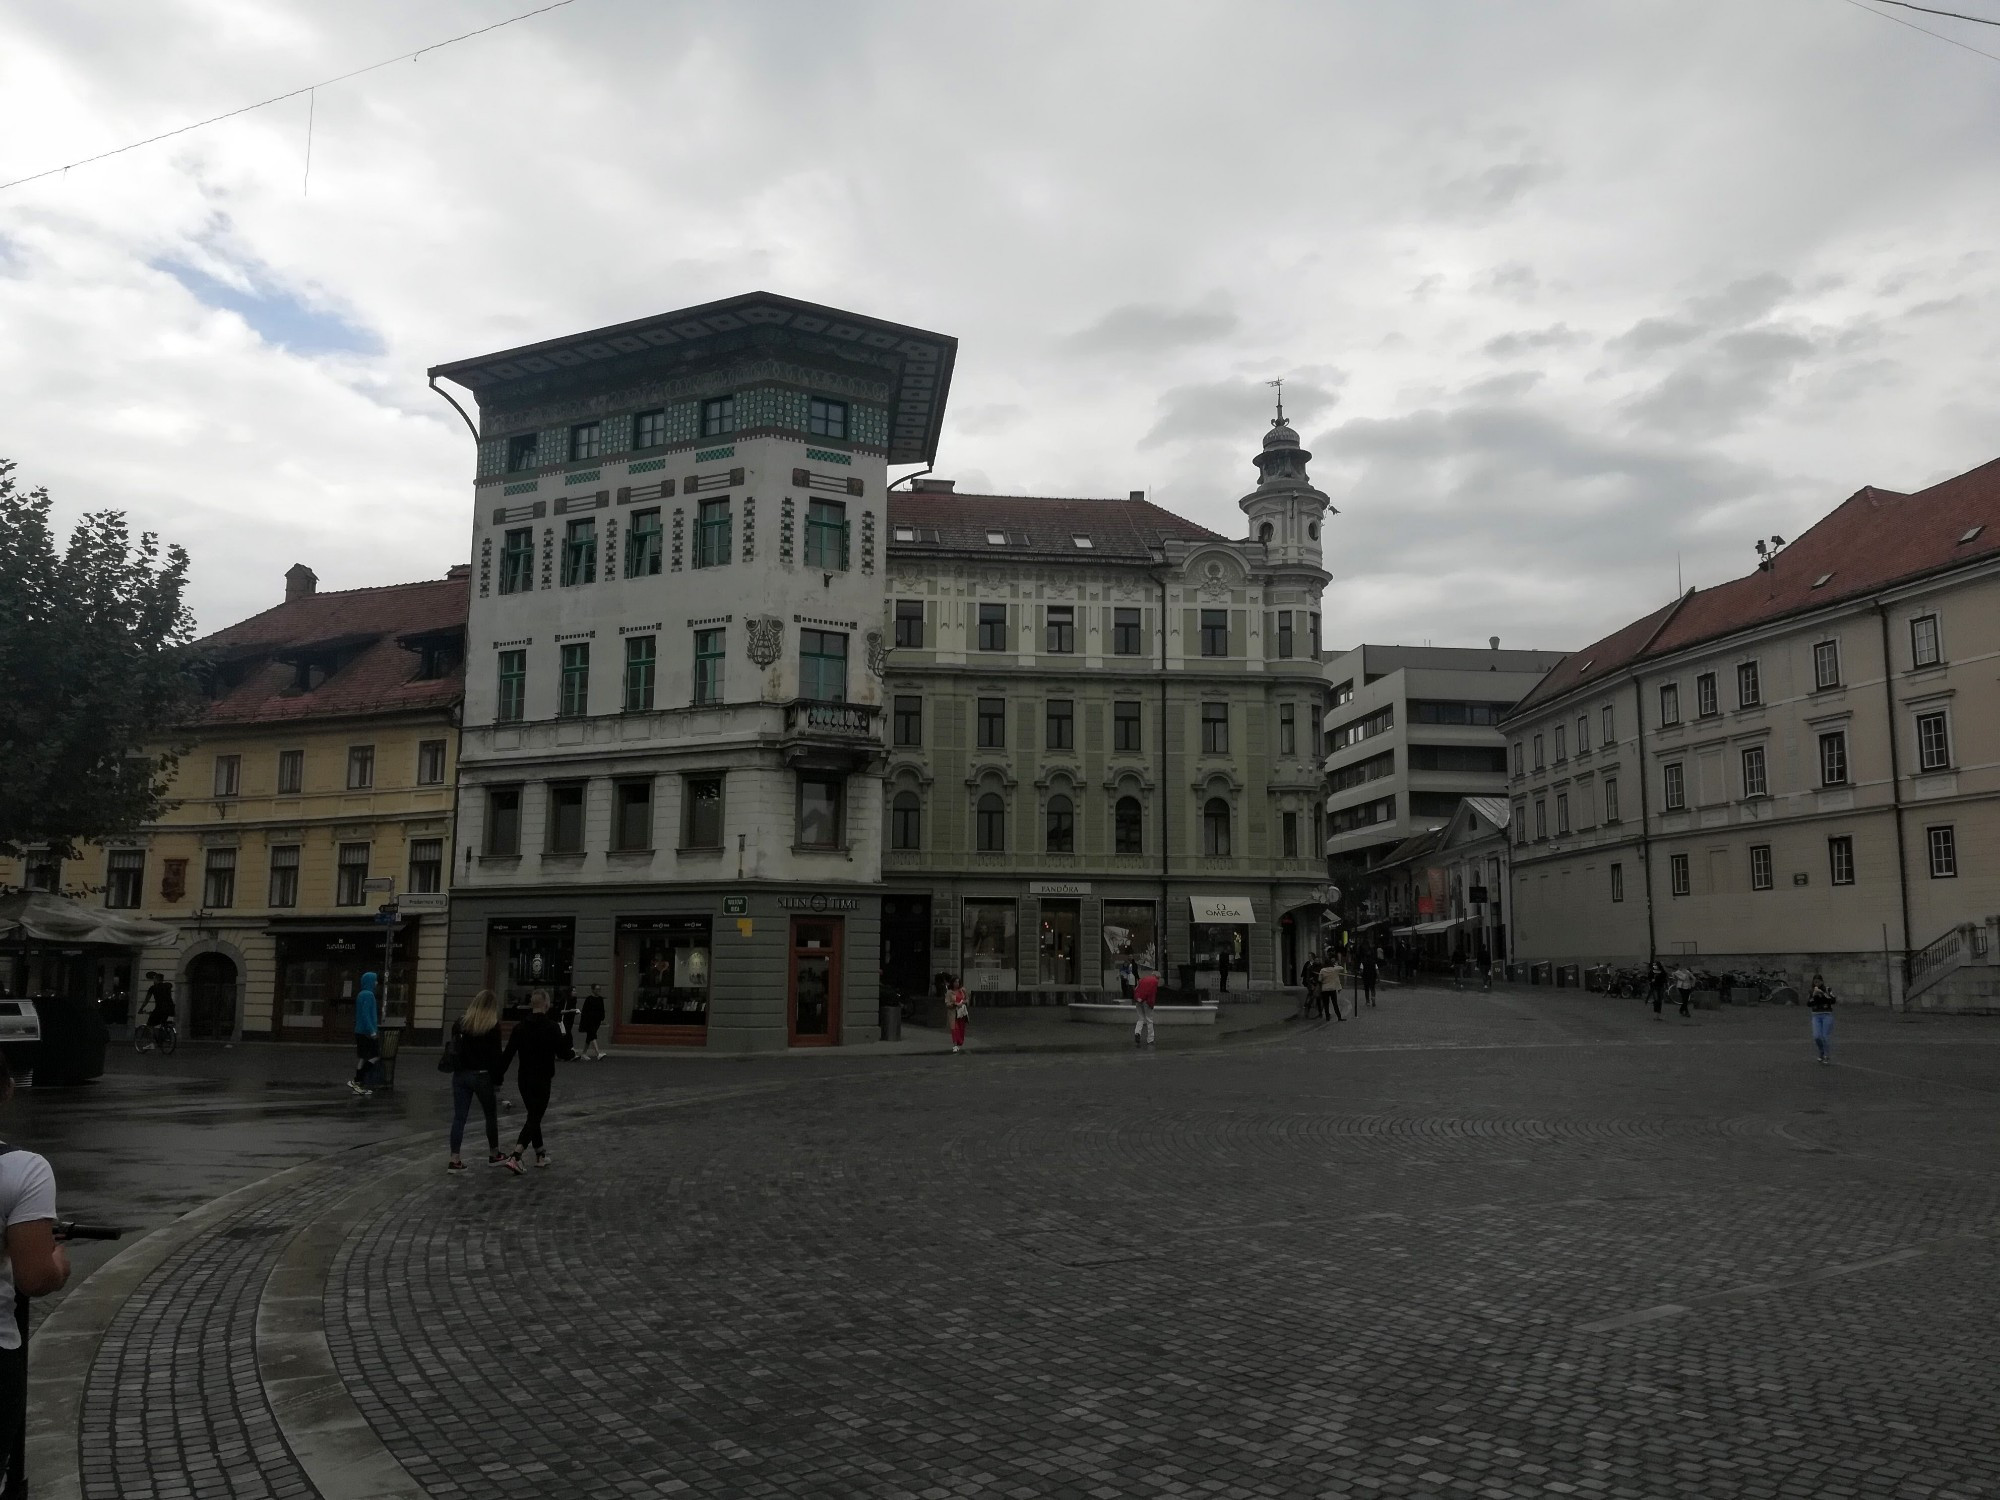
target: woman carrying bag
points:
(960, 1007)
(472, 1057)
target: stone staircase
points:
(1958, 971)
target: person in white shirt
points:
(35, 1265)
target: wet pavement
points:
(1470, 1245)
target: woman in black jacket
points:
(538, 1042)
(475, 1068)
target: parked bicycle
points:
(163, 1038)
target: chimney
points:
(933, 486)
(300, 583)
(1493, 641)
(1138, 494)
(458, 572)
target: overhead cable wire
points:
(1858, 5)
(1956, 15)
(280, 98)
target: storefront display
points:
(1130, 936)
(319, 974)
(525, 954)
(990, 939)
(1060, 922)
(664, 966)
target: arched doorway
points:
(211, 1012)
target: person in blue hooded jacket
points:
(367, 1034)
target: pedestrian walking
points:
(1309, 977)
(1684, 987)
(1329, 987)
(1145, 995)
(35, 1265)
(1370, 972)
(1820, 1002)
(1656, 987)
(367, 1036)
(958, 1005)
(570, 1012)
(589, 1020)
(472, 1055)
(539, 1043)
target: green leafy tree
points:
(96, 675)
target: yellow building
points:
(323, 766)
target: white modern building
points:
(671, 769)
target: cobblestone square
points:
(1466, 1245)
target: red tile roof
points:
(1124, 530)
(1873, 539)
(375, 675)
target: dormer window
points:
(906, 533)
(1820, 582)
(1970, 535)
(1082, 541)
(996, 538)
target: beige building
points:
(321, 769)
(1799, 769)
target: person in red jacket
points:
(1145, 995)
(959, 1006)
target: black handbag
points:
(448, 1059)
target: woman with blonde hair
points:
(472, 1057)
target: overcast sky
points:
(1563, 292)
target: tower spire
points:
(1279, 383)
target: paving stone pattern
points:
(1464, 1246)
(173, 1408)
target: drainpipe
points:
(1645, 809)
(1896, 793)
(1166, 817)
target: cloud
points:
(1527, 340)
(1238, 409)
(1150, 328)
(1725, 386)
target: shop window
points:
(910, 623)
(124, 878)
(527, 954)
(643, 543)
(517, 560)
(989, 945)
(906, 821)
(1061, 629)
(1061, 924)
(579, 554)
(632, 816)
(822, 820)
(909, 720)
(710, 649)
(350, 886)
(503, 821)
(360, 767)
(823, 666)
(1127, 827)
(701, 815)
(1215, 827)
(664, 966)
(1125, 626)
(291, 772)
(430, 762)
(426, 867)
(284, 875)
(1130, 937)
(990, 817)
(1061, 825)
(641, 672)
(228, 775)
(565, 826)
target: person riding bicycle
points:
(160, 1005)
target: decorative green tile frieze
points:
(492, 458)
(826, 456)
(646, 466)
(525, 487)
(617, 433)
(709, 455)
(582, 476)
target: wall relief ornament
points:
(766, 634)
(878, 654)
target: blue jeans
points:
(1823, 1032)
(466, 1084)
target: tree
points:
(96, 675)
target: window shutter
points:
(854, 484)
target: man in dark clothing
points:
(589, 1021)
(1370, 972)
(538, 1042)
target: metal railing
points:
(844, 720)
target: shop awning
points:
(38, 916)
(1222, 909)
(1424, 927)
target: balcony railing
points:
(845, 721)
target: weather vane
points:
(1280, 384)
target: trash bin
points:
(73, 1038)
(892, 1023)
(389, 1044)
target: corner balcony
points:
(833, 736)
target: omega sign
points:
(817, 902)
